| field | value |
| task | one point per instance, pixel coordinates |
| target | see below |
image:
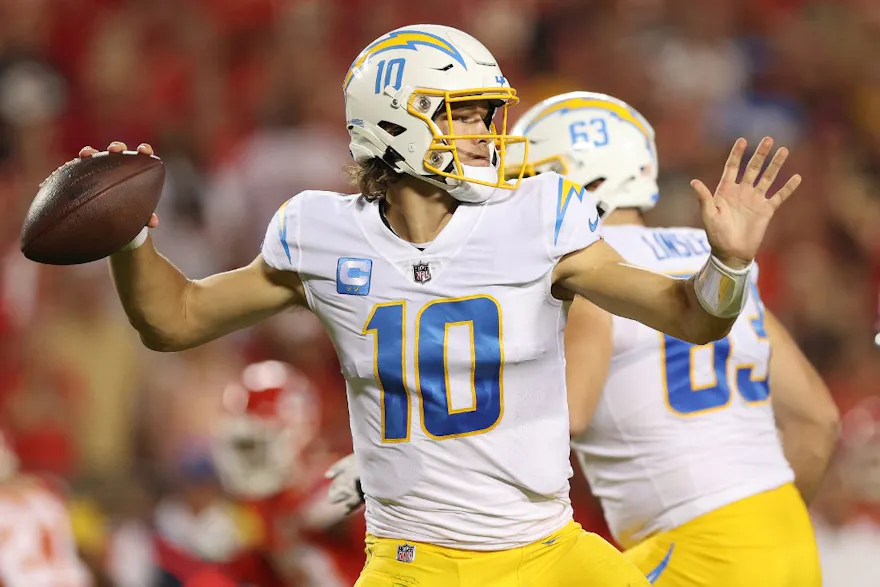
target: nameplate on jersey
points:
(353, 276)
(421, 272)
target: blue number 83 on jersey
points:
(387, 325)
(686, 396)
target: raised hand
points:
(737, 215)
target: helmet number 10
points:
(385, 72)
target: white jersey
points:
(37, 547)
(453, 356)
(680, 430)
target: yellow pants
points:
(569, 558)
(762, 541)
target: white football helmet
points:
(401, 81)
(271, 416)
(588, 137)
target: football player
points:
(442, 286)
(682, 448)
(268, 455)
(679, 441)
(37, 545)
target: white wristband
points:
(137, 241)
(722, 291)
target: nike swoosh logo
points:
(658, 570)
(594, 224)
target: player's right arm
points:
(172, 312)
(703, 308)
(588, 350)
(805, 413)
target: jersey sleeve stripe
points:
(282, 230)
(567, 189)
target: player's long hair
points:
(372, 178)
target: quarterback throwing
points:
(442, 286)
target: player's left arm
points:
(702, 308)
(805, 413)
(658, 301)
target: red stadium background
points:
(242, 100)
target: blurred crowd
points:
(242, 99)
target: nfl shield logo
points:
(406, 553)
(421, 272)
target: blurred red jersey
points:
(308, 539)
(179, 568)
(37, 547)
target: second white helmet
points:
(588, 137)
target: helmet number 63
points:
(580, 134)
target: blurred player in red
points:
(846, 512)
(37, 547)
(268, 453)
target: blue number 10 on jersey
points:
(387, 324)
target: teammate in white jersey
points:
(442, 287)
(682, 446)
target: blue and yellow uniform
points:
(683, 450)
(454, 362)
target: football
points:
(90, 208)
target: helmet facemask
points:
(553, 163)
(442, 158)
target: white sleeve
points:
(570, 217)
(280, 246)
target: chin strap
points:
(474, 193)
